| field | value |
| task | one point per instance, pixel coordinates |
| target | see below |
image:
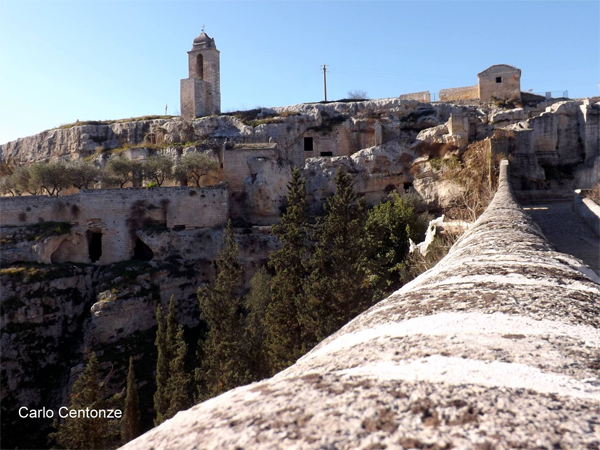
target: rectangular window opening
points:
(498, 79)
(308, 144)
(94, 239)
(326, 153)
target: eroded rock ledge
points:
(498, 346)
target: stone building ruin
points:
(499, 82)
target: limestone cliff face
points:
(495, 347)
(51, 313)
(74, 142)
(43, 310)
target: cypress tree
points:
(82, 432)
(161, 402)
(285, 336)
(171, 380)
(130, 422)
(225, 351)
(256, 303)
(338, 285)
(177, 385)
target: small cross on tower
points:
(203, 26)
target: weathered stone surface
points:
(375, 172)
(75, 142)
(507, 116)
(495, 347)
(437, 193)
(267, 186)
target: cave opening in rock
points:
(94, 245)
(141, 251)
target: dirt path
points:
(567, 232)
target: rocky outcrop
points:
(375, 172)
(43, 310)
(267, 186)
(497, 346)
(437, 193)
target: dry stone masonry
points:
(498, 346)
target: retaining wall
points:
(497, 347)
(588, 210)
(116, 214)
(419, 96)
(459, 93)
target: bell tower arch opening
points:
(200, 66)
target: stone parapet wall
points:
(419, 96)
(459, 93)
(588, 210)
(497, 346)
(28, 210)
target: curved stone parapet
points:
(497, 346)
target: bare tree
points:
(357, 95)
(195, 166)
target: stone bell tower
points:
(201, 92)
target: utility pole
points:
(324, 67)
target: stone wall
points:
(237, 164)
(459, 93)
(588, 210)
(497, 346)
(116, 214)
(419, 96)
(590, 122)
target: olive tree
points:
(8, 186)
(23, 181)
(52, 177)
(120, 170)
(82, 173)
(195, 166)
(158, 168)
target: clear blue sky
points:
(92, 60)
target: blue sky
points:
(93, 60)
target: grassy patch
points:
(80, 123)
(251, 116)
(43, 230)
